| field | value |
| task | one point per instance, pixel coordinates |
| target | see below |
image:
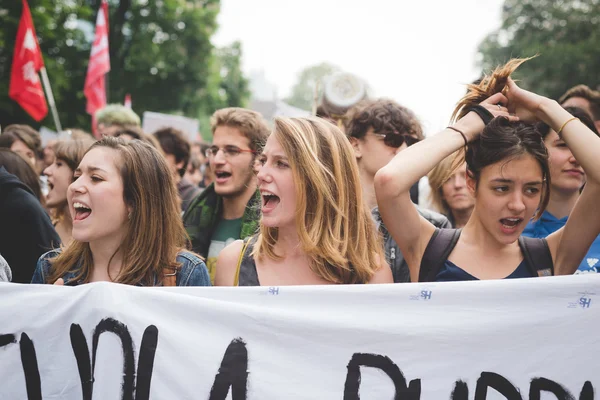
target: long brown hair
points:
(333, 223)
(155, 231)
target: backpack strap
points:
(537, 255)
(236, 279)
(436, 253)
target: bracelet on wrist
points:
(559, 133)
(461, 134)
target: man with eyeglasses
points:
(378, 130)
(229, 208)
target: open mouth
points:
(269, 201)
(81, 211)
(510, 223)
(222, 175)
(50, 185)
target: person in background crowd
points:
(567, 180)
(126, 223)
(508, 174)
(48, 153)
(229, 208)
(193, 173)
(16, 165)
(177, 153)
(114, 117)
(315, 227)
(25, 141)
(585, 98)
(199, 151)
(449, 193)
(378, 130)
(26, 231)
(5, 271)
(69, 133)
(60, 175)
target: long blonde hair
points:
(438, 176)
(155, 234)
(333, 223)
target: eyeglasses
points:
(393, 139)
(228, 151)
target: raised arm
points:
(569, 244)
(409, 229)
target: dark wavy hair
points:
(384, 116)
(502, 140)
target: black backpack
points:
(536, 252)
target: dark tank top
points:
(248, 274)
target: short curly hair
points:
(384, 116)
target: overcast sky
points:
(420, 53)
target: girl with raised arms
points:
(126, 223)
(315, 227)
(507, 174)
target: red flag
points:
(95, 89)
(25, 86)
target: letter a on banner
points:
(99, 66)
(25, 86)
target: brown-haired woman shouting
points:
(126, 223)
(508, 174)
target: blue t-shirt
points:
(548, 224)
(451, 272)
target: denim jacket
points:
(193, 271)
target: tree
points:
(303, 92)
(226, 85)
(565, 34)
(160, 51)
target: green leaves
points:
(161, 53)
(565, 34)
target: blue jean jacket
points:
(193, 271)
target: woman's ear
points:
(471, 183)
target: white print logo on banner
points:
(506, 340)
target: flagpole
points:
(50, 96)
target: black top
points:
(26, 231)
(248, 274)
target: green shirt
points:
(226, 231)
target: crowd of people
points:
(508, 190)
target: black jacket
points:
(26, 231)
(392, 251)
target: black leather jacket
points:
(392, 251)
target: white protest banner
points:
(153, 121)
(514, 339)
